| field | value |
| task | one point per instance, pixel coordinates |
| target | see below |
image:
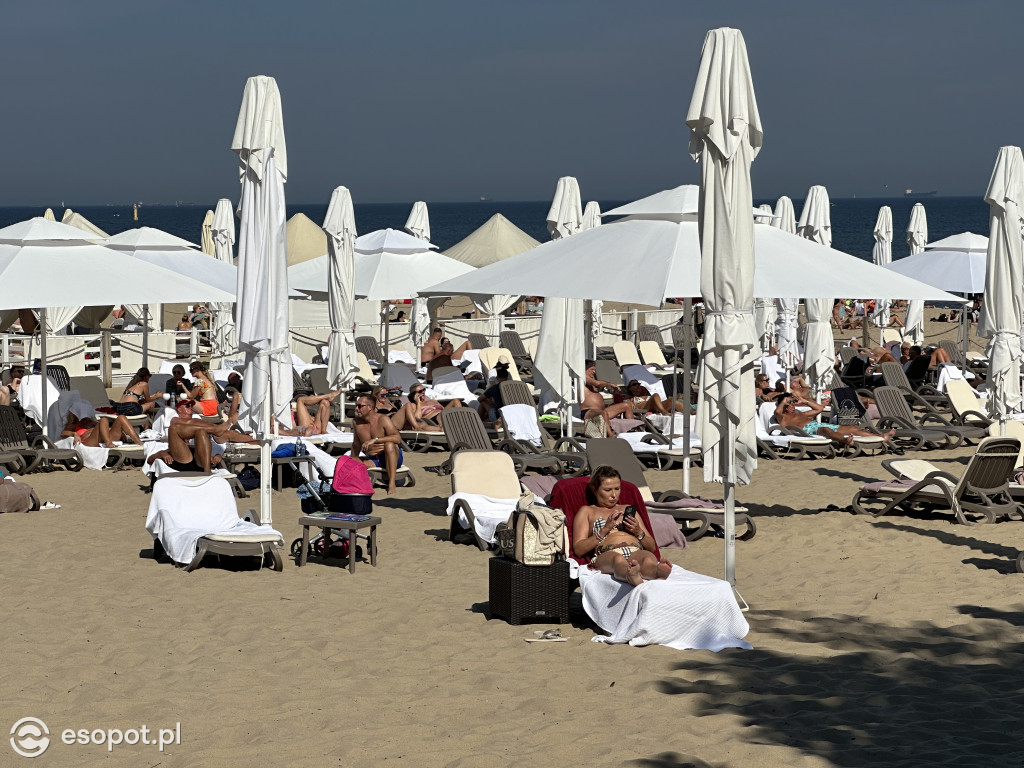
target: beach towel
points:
(31, 397)
(686, 610)
(521, 422)
(470, 362)
(949, 372)
(451, 386)
(400, 356)
(666, 531)
(92, 458)
(651, 382)
(487, 513)
(67, 403)
(183, 510)
(642, 442)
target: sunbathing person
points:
(9, 392)
(376, 436)
(136, 398)
(592, 404)
(381, 402)
(87, 431)
(787, 415)
(305, 424)
(182, 457)
(621, 546)
(643, 400)
(490, 403)
(413, 414)
(205, 390)
(223, 432)
(876, 355)
(432, 348)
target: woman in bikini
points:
(621, 546)
(136, 398)
(205, 392)
(87, 431)
(807, 421)
(381, 403)
(412, 415)
(645, 402)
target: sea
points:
(853, 219)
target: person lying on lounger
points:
(87, 431)
(643, 400)
(413, 414)
(183, 457)
(376, 436)
(787, 415)
(592, 404)
(621, 546)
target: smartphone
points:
(629, 512)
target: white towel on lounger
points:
(686, 610)
(487, 512)
(521, 421)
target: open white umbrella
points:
(222, 230)
(787, 310)
(725, 135)
(1001, 313)
(558, 364)
(819, 347)
(917, 239)
(262, 268)
(593, 308)
(340, 228)
(881, 254)
(956, 263)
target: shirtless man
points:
(376, 436)
(182, 457)
(432, 348)
(592, 404)
(787, 415)
(10, 391)
(412, 414)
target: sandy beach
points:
(885, 642)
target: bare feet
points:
(633, 575)
(664, 569)
(391, 488)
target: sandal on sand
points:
(547, 636)
(49, 505)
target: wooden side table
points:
(327, 524)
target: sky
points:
(453, 100)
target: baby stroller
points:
(348, 492)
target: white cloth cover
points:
(765, 316)
(787, 310)
(949, 372)
(651, 382)
(92, 458)
(31, 397)
(917, 239)
(725, 136)
(593, 307)
(559, 360)
(642, 442)
(819, 347)
(418, 225)
(881, 254)
(206, 235)
(1001, 312)
(183, 510)
(340, 228)
(686, 610)
(487, 513)
(521, 421)
(262, 259)
(225, 340)
(451, 387)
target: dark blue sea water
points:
(852, 219)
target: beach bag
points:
(288, 450)
(846, 407)
(519, 536)
(249, 478)
(351, 476)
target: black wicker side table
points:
(527, 592)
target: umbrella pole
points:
(42, 368)
(729, 487)
(965, 329)
(266, 468)
(145, 335)
(687, 357)
(387, 341)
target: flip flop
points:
(49, 505)
(547, 636)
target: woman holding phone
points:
(621, 546)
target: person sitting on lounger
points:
(592, 404)
(938, 357)
(490, 403)
(787, 415)
(182, 457)
(381, 402)
(205, 391)
(621, 546)
(413, 414)
(305, 424)
(376, 436)
(136, 398)
(432, 348)
(9, 392)
(87, 431)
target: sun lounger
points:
(190, 517)
(894, 409)
(776, 441)
(915, 389)
(485, 491)
(41, 453)
(626, 354)
(368, 346)
(478, 341)
(490, 356)
(652, 355)
(513, 342)
(695, 516)
(980, 495)
(523, 434)
(465, 431)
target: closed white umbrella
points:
(787, 310)
(917, 239)
(725, 136)
(262, 268)
(418, 225)
(206, 235)
(222, 230)
(765, 312)
(594, 308)
(559, 361)
(819, 347)
(340, 228)
(1001, 313)
(881, 254)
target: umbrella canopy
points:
(46, 263)
(222, 230)
(206, 235)
(418, 225)
(819, 347)
(948, 268)
(881, 254)
(669, 203)
(1001, 314)
(667, 253)
(393, 265)
(787, 310)
(149, 237)
(340, 228)
(560, 356)
(177, 255)
(262, 315)
(917, 239)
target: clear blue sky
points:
(450, 100)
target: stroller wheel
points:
(296, 547)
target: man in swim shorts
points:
(376, 436)
(806, 420)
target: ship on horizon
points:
(912, 193)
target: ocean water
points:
(853, 219)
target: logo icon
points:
(30, 737)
